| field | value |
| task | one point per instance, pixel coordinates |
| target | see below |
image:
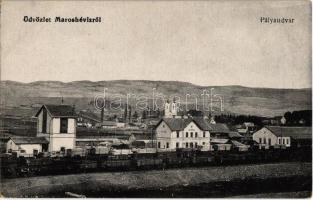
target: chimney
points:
(102, 113)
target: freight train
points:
(69, 163)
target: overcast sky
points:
(203, 42)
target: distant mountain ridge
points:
(237, 99)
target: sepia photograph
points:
(156, 99)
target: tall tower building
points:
(167, 109)
(174, 108)
(170, 109)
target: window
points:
(177, 144)
(186, 134)
(44, 120)
(191, 145)
(62, 149)
(196, 144)
(159, 144)
(203, 143)
(35, 152)
(260, 140)
(264, 140)
(287, 141)
(167, 145)
(191, 134)
(283, 140)
(269, 141)
(196, 134)
(163, 126)
(63, 127)
(186, 144)
(203, 134)
(278, 140)
(177, 134)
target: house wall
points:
(284, 141)
(163, 131)
(53, 135)
(164, 136)
(71, 126)
(61, 140)
(193, 128)
(29, 148)
(266, 134)
(55, 125)
(40, 121)
(11, 145)
(57, 139)
(49, 118)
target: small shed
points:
(31, 145)
(221, 144)
(239, 146)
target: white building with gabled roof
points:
(281, 136)
(57, 123)
(174, 133)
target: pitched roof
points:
(108, 123)
(293, 132)
(59, 110)
(29, 140)
(203, 124)
(177, 124)
(238, 144)
(90, 116)
(234, 134)
(219, 128)
(4, 139)
(220, 141)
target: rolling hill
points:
(236, 99)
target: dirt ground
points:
(138, 180)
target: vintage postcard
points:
(156, 99)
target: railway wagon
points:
(118, 162)
(203, 160)
(38, 166)
(149, 163)
(19, 166)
